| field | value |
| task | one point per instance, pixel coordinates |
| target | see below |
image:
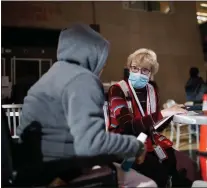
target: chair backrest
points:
(6, 140)
(13, 116)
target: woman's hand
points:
(141, 158)
(175, 109)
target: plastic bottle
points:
(128, 162)
(204, 109)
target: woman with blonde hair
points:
(134, 108)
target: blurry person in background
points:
(194, 89)
(68, 103)
(136, 110)
(195, 86)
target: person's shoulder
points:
(115, 90)
(201, 79)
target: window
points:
(29, 69)
(149, 6)
(26, 70)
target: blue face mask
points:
(138, 80)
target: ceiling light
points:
(200, 22)
(203, 5)
(202, 18)
(167, 10)
(201, 14)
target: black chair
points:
(16, 171)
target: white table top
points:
(198, 119)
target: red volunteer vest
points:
(158, 138)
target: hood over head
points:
(83, 46)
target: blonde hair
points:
(144, 56)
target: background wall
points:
(174, 37)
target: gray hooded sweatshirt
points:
(68, 101)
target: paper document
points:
(161, 122)
(191, 113)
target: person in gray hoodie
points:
(68, 103)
